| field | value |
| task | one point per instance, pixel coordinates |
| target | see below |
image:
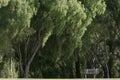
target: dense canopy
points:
(59, 38)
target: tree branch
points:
(20, 58)
(35, 48)
(26, 49)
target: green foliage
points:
(104, 30)
(63, 24)
(4, 3)
(15, 18)
(9, 69)
(60, 27)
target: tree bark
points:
(20, 61)
(29, 57)
(77, 66)
(110, 64)
(107, 71)
(26, 71)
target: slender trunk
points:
(110, 64)
(26, 71)
(21, 71)
(26, 50)
(107, 69)
(62, 75)
(30, 59)
(12, 74)
(77, 66)
(105, 72)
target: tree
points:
(28, 27)
(105, 30)
(70, 38)
(15, 20)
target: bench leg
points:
(85, 75)
(94, 75)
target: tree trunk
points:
(110, 64)
(26, 71)
(77, 66)
(25, 66)
(107, 69)
(105, 72)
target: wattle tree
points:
(28, 27)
